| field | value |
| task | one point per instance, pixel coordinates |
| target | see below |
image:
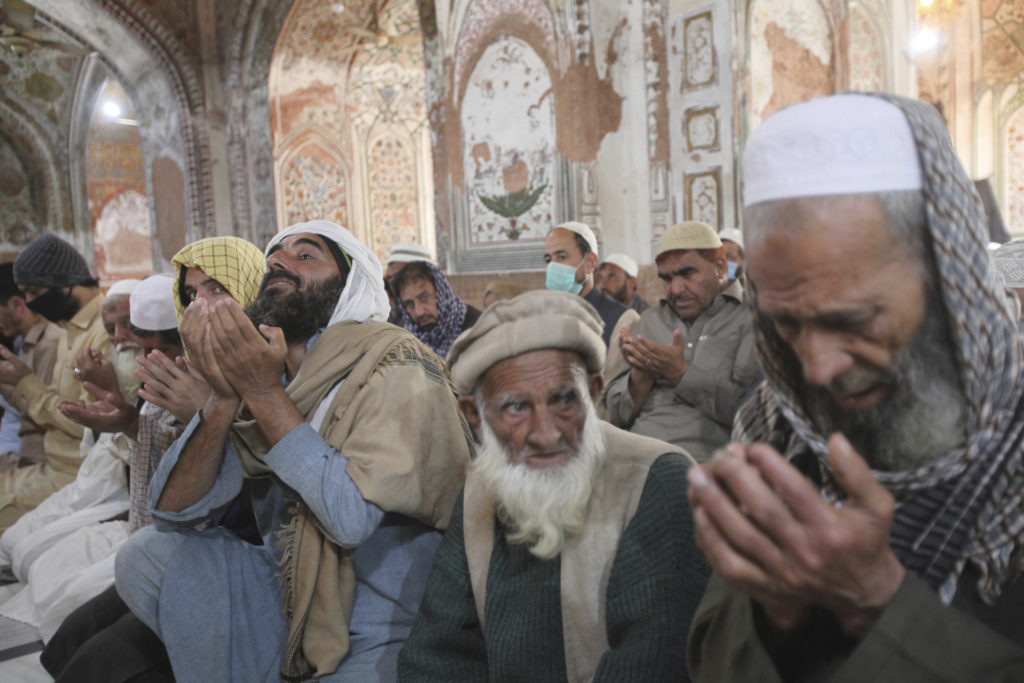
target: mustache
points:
(278, 274)
(856, 381)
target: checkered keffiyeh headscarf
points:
(965, 506)
(451, 311)
(235, 263)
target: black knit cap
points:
(49, 261)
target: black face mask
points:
(56, 305)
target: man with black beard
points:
(866, 523)
(571, 554)
(58, 285)
(348, 493)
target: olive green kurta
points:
(916, 638)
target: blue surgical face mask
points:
(732, 269)
(562, 278)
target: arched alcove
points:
(360, 84)
(508, 145)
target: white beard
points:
(124, 361)
(542, 507)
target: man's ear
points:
(467, 404)
(595, 383)
(590, 263)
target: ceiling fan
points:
(372, 34)
(18, 32)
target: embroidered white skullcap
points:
(1009, 263)
(151, 306)
(623, 261)
(687, 235)
(839, 144)
(123, 287)
(733, 235)
(407, 252)
(581, 229)
(534, 320)
(364, 297)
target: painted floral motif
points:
(700, 51)
(481, 15)
(393, 204)
(508, 133)
(314, 187)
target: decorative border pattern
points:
(699, 68)
(701, 128)
(704, 197)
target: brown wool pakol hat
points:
(535, 320)
(687, 235)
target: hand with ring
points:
(78, 374)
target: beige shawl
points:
(396, 420)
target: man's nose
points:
(544, 434)
(822, 355)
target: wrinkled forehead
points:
(300, 238)
(536, 372)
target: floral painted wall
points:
(348, 119)
(117, 191)
(508, 128)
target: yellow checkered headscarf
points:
(235, 263)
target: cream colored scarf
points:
(318, 578)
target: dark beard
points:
(924, 416)
(56, 305)
(300, 312)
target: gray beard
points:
(542, 508)
(924, 417)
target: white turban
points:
(364, 297)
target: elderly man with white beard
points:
(866, 522)
(571, 554)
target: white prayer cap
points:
(123, 287)
(623, 261)
(407, 252)
(839, 144)
(151, 307)
(534, 320)
(731, 234)
(1009, 263)
(580, 229)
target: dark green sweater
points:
(656, 582)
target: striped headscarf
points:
(451, 311)
(235, 263)
(965, 506)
